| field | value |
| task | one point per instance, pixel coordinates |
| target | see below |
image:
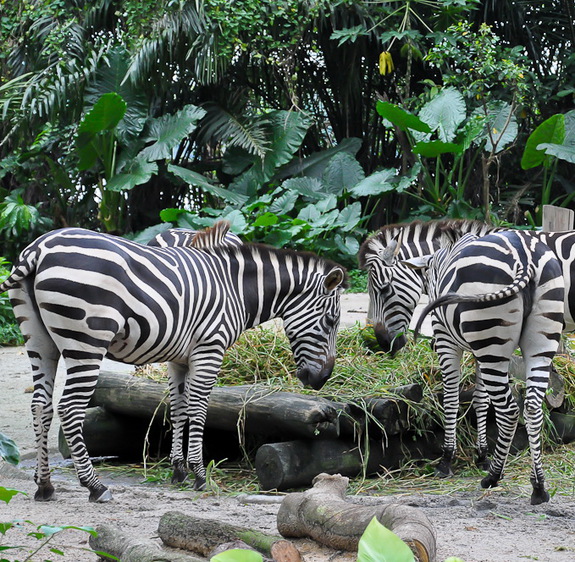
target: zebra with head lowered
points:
(491, 295)
(82, 295)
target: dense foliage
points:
(120, 114)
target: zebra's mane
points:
(412, 232)
(212, 237)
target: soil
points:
(477, 527)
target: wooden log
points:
(323, 514)
(259, 410)
(112, 540)
(203, 536)
(293, 464)
(109, 435)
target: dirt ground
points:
(477, 527)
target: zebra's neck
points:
(267, 280)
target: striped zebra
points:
(82, 295)
(388, 278)
(187, 237)
(491, 295)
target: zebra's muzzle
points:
(316, 378)
(389, 343)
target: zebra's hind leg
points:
(43, 355)
(481, 408)
(83, 368)
(507, 416)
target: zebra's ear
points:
(334, 279)
(417, 262)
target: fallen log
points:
(203, 536)
(257, 409)
(111, 540)
(323, 514)
(293, 464)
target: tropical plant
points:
(552, 141)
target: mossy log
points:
(202, 536)
(258, 410)
(112, 540)
(323, 514)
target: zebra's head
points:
(394, 290)
(311, 321)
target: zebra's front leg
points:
(206, 366)
(80, 383)
(481, 408)
(178, 415)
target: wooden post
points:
(557, 219)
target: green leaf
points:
(168, 131)
(378, 544)
(444, 113)
(376, 184)
(284, 203)
(401, 118)
(104, 115)
(140, 172)
(309, 188)
(195, 179)
(502, 125)
(552, 130)
(349, 217)
(6, 494)
(342, 172)
(561, 151)
(9, 451)
(432, 149)
(349, 34)
(267, 219)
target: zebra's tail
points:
(524, 276)
(26, 266)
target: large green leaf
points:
(139, 173)
(552, 130)
(432, 149)
(349, 216)
(501, 127)
(8, 450)
(284, 203)
(168, 131)
(561, 151)
(237, 555)
(376, 184)
(342, 172)
(444, 113)
(314, 164)
(378, 544)
(104, 115)
(311, 189)
(401, 118)
(193, 178)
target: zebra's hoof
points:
(199, 484)
(101, 496)
(44, 493)
(540, 495)
(179, 476)
(443, 469)
(490, 481)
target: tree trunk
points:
(323, 514)
(203, 536)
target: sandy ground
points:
(478, 527)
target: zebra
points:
(83, 295)
(382, 254)
(491, 295)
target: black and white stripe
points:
(82, 296)
(490, 296)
